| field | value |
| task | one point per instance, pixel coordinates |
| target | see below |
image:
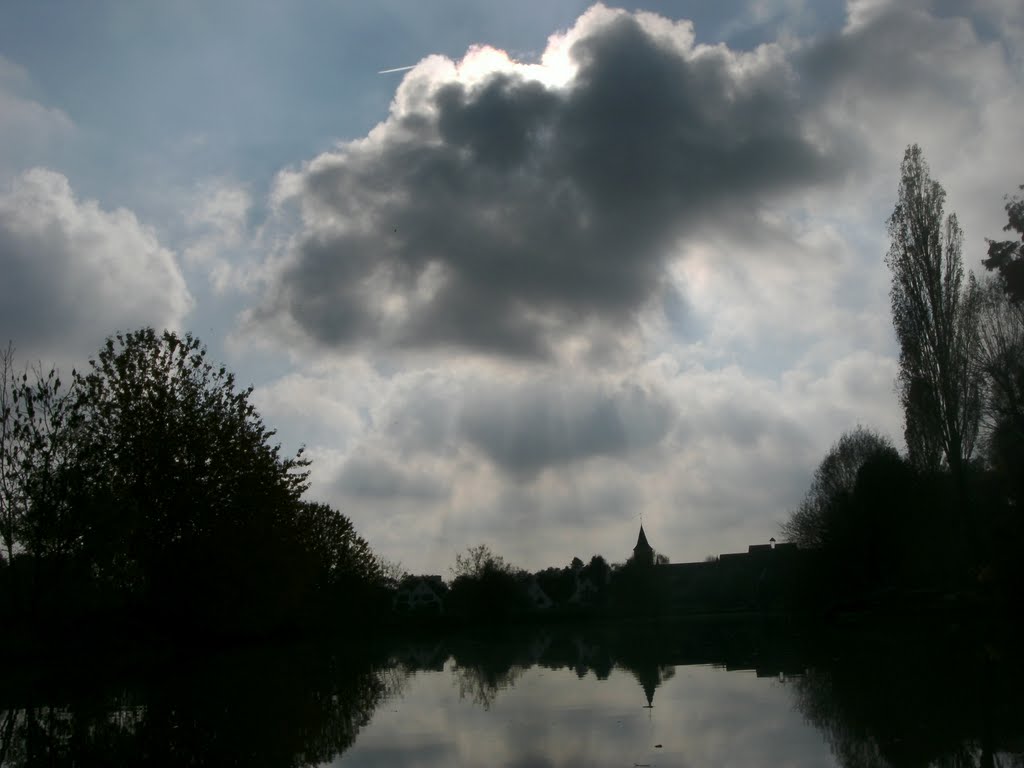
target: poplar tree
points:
(936, 320)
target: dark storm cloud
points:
(506, 215)
(527, 430)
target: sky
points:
(578, 265)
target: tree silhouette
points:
(818, 521)
(936, 319)
(37, 431)
(185, 493)
(1002, 353)
(1007, 256)
(335, 562)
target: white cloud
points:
(713, 457)
(218, 233)
(74, 273)
(27, 128)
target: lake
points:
(726, 693)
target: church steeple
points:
(643, 553)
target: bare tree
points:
(936, 320)
(37, 424)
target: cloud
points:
(27, 128)
(527, 429)
(379, 478)
(516, 208)
(600, 199)
(216, 222)
(73, 273)
(946, 76)
(544, 467)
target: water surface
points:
(699, 694)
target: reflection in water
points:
(661, 695)
(266, 707)
(917, 698)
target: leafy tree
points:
(177, 471)
(485, 586)
(936, 321)
(817, 522)
(1001, 360)
(1002, 354)
(597, 570)
(476, 561)
(331, 546)
(1007, 256)
(558, 583)
(151, 483)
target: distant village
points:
(765, 577)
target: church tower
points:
(643, 554)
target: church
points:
(765, 577)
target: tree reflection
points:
(481, 684)
(258, 708)
(913, 699)
(924, 697)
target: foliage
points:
(486, 587)
(597, 570)
(558, 583)
(1007, 256)
(176, 471)
(936, 318)
(332, 548)
(1001, 360)
(818, 520)
(477, 561)
(152, 485)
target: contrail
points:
(396, 69)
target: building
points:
(643, 553)
(765, 577)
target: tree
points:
(37, 427)
(485, 586)
(1001, 362)
(10, 500)
(819, 520)
(330, 544)
(1007, 256)
(478, 561)
(185, 494)
(936, 321)
(151, 484)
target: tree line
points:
(946, 515)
